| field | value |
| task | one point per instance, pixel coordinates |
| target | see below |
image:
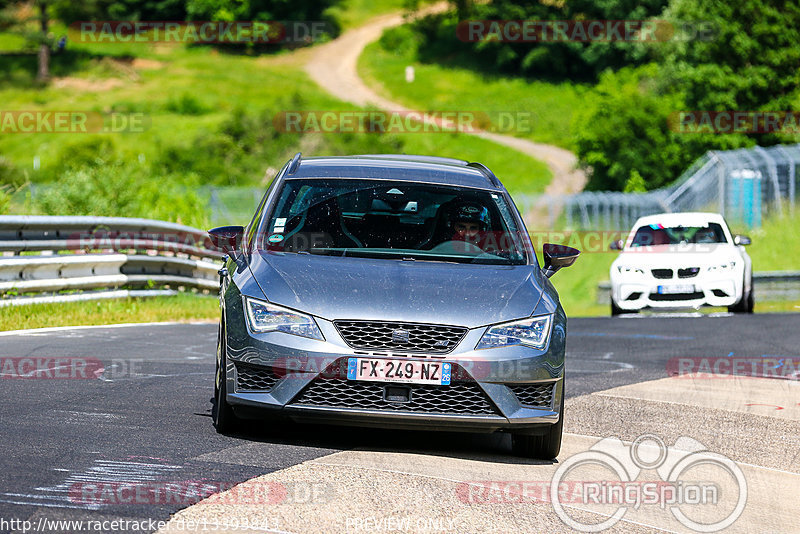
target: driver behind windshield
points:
(469, 222)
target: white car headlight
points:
(725, 267)
(629, 270)
(532, 332)
(266, 317)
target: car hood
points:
(691, 255)
(407, 291)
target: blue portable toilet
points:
(744, 196)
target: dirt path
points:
(334, 67)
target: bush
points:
(186, 104)
(580, 61)
(246, 143)
(121, 190)
(5, 199)
(87, 152)
(10, 174)
(401, 40)
(625, 128)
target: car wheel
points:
(751, 299)
(746, 304)
(616, 310)
(225, 421)
(543, 447)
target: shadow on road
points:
(494, 447)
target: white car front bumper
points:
(705, 289)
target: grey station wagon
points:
(391, 291)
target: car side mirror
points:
(557, 257)
(616, 245)
(742, 240)
(228, 239)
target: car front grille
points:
(534, 395)
(254, 378)
(662, 274)
(459, 398)
(689, 272)
(406, 337)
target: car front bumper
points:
(649, 292)
(511, 388)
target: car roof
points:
(411, 168)
(681, 219)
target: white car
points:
(677, 260)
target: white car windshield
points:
(658, 234)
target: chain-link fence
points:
(744, 185)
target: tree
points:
(625, 128)
(34, 26)
(573, 60)
(43, 73)
(752, 63)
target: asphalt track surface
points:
(147, 417)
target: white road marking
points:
(35, 331)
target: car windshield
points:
(657, 234)
(396, 220)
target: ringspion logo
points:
(703, 490)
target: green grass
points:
(182, 307)
(354, 13)
(218, 83)
(577, 285)
(776, 245)
(519, 173)
(549, 106)
(775, 248)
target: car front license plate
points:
(408, 372)
(671, 290)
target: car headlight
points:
(629, 270)
(266, 317)
(725, 267)
(532, 332)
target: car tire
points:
(747, 303)
(543, 447)
(225, 421)
(616, 310)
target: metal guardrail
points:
(100, 253)
(768, 286)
